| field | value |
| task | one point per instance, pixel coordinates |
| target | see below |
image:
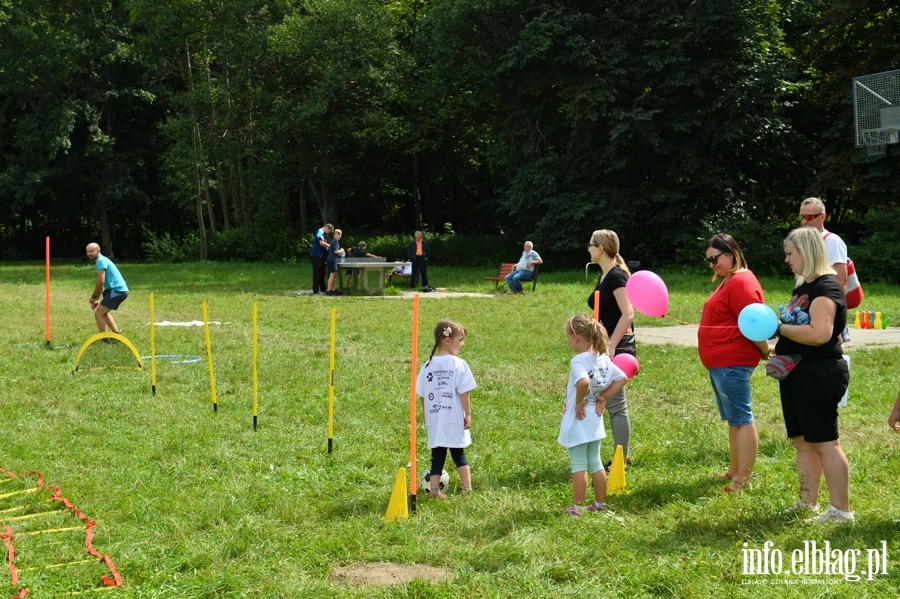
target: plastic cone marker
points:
(616, 481)
(397, 507)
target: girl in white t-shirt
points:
(593, 378)
(444, 383)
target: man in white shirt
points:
(524, 269)
(812, 214)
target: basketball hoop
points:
(877, 140)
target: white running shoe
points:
(832, 514)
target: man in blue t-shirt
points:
(318, 256)
(110, 285)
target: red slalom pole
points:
(413, 481)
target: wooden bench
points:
(400, 275)
(506, 268)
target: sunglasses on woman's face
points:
(714, 259)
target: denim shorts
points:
(732, 388)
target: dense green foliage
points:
(232, 128)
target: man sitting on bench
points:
(524, 268)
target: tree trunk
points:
(326, 198)
(204, 179)
(106, 241)
(201, 226)
(416, 190)
(224, 195)
(200, 161)
(304, 217)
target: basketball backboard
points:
(876, 110)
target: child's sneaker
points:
(597, 507)
(573, 510)
(832, 514)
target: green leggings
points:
(585, 457)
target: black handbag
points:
(627, 345)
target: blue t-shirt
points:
(113, 278)
(333, 248)
(317, 249)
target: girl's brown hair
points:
(445, 329)
(585, 326)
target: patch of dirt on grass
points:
(386, 573)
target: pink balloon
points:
(627, 364)
(647, 293)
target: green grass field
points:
(192, 503)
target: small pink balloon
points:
(647, 293)
(627, 364)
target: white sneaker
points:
(801, 507)
(832, 514)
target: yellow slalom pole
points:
(255, 359)
(412, 405)
(331, 384)
(152, 348)
(212, 375)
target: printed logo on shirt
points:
(799, 301)
(441, 378)
(444, 402)
(598, 381)
(601, 372)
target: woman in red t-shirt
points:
(729, 356)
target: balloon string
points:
(679, 320)
(705, 326)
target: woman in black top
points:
(616, 314)
(811, 392)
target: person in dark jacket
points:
(419, 252)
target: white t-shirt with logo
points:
(440, 383)
(600, 372)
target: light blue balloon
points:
(757, 322)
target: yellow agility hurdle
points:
(117, 337)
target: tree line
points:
(231, 128)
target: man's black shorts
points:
(112, 299)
